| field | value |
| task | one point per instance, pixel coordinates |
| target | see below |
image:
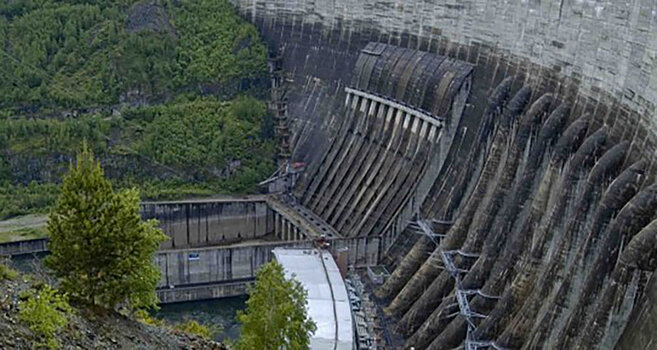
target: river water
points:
(218, 312)
(28, 263)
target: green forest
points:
(169, 95)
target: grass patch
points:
(23, 234)
(7, 273)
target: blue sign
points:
(193, 257)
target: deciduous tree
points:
(276, 316)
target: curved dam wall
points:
(540, 229)
(602, 55)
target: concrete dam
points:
(502, 154)
(498, 158)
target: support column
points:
(279, 226)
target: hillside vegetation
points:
(168, 95)
(50, 322)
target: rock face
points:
(542, 202)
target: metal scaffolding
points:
(461, 294)
(278, 106)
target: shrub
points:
(144, 317)
(7, 273)
(188, 326)
(45, 312)
(195, 328)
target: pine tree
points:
(276, 316)
(101, 250)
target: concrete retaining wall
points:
(220, 269)
(214, 291)
(31, 246)
(184, 267)
(211, 265)
(215, 272)
(202, 223)
(197, 223)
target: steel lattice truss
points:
(461, 294)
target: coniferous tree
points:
(276, 316)
(101, 249)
